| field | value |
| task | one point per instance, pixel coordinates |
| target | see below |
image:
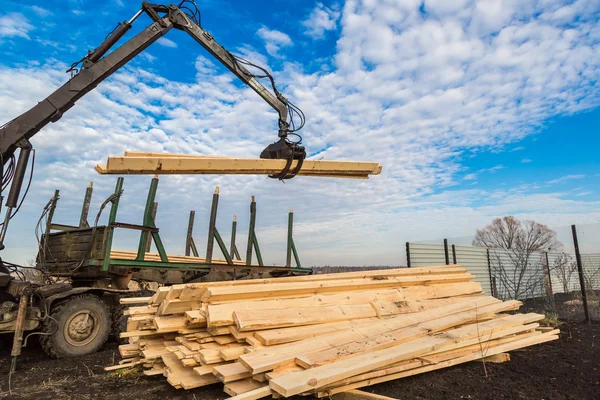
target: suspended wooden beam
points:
(159, 163)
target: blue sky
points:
(476, 109)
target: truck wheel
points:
(78, 326)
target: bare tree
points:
(564, 267)
(516, 260)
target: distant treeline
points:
(334, 270)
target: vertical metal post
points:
(233, 251)
(446, 252)
(211, 226)
(51, 211)
(83, 222)
(548, 283)
(148, 220)
(408, 254)
(290, 239)
(149, 241)
(190, 229)
(251, 231)
(581, 276)
(454, 254)
(112, 217)
(492, 282)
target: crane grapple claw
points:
(283, 149)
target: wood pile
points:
(322, 334)
(167, 163)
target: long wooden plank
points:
(433, 270)
(195, 165)
(254, 394)
(278, 289)
(195, 290)
(320, 376)
(273, 356)
(438, 356)
(359, 395)
(134, 300)
(270, 357)
(376, 342)
(251, 320)
(222, 314)
(132, 255)
(514, 345)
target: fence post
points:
(492, 280)
(408, 254)
(446, 252)
(581, 277)
(548, 283)
(454, 254)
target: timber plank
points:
(251, 320)
(359, 395)
(516, 344)
(294, 288)
(270, 357)
(242, 386)
(194, 165)
(231, 372)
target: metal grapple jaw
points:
(284, 149)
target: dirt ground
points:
(565, 369)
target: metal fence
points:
(551, 282)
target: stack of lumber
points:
(168, 163)
(322, 334)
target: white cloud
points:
(526, 160)
(163, 41)
(566, 178)
(321, 20)
(14, 25)
(274, 40)
(42, 12)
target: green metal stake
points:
(188, 238)
(258, 254)
(149, 222)
(83, 222)
(291, 246)
(251, 231)
(290, 240)
(211, 226)
(233, 251)
(112, 217)
(149, 240)
(298, 264)
(223, 248)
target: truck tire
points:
(78, 326)
(119, 320)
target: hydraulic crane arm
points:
(95, 69)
